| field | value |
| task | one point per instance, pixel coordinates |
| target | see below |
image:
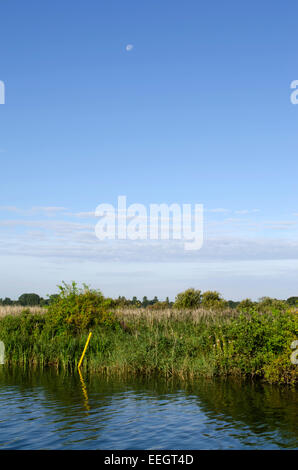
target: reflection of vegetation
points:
(63, 393)
(264, 410)
(262, 407)
(177, 343)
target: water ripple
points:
(50, 411)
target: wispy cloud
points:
(9, 209)
(86, 214)
(70, 240)
(233, 238)
(247, 211)
(281, 225)
(56, 226)
(220, 210)
(42, 210)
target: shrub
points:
(293, 301)
(267, 304)
(77, 309)
(262, 341)
(191, 298)
(245, 304)
(213, 299)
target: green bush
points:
(293, 301)
(245, 304)
(76, 310)
(258, 344)
(191, 298)
(251, 343)
(266, 304)
(213, 299)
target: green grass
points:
(176, 344)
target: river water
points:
(51, 410)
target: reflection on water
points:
(84, 389)
(48, 410)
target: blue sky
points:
(198, 111)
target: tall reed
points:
(185, 344)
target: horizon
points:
(171, 299)
(165, 104)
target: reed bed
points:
(170, 343)
(18, 309)
(151, 315)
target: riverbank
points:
(182, 344)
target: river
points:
(51, 410)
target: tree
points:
(52, 298)
(29, 299)
(246, 303)
(191, 298)
(293, 301)
(213, 299)
(121, 302)
(76, 309)
(268, 303)
(135, 302)
(233, 303)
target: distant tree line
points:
(189, 299)
(155, 303)
(28, 300)
(192, 298)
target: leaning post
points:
(86, 345)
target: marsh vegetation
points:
(252, 341)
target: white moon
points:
(129, 47)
